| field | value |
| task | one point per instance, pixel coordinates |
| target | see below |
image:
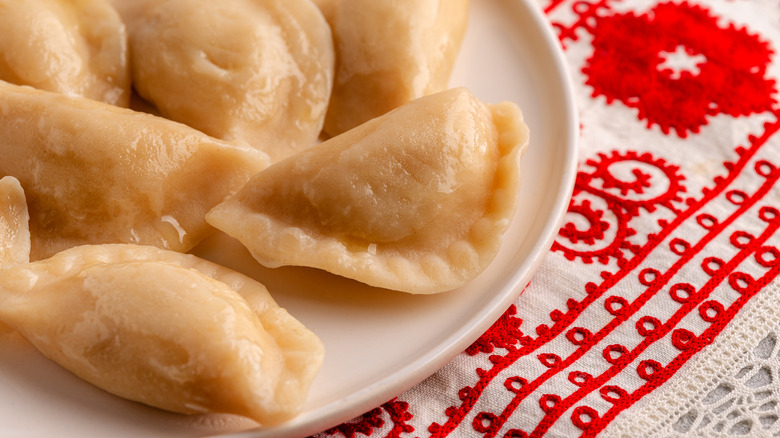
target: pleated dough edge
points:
(432, 273)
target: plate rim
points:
(515, 274)
(359, 402)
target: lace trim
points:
(729, 389)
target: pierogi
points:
(416, 200)
(166, 329)
(73, 47)
(97, 173)
(389, 52)
(257, 71)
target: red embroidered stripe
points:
(685, 339)
(563, 321)
(630, 309)
(663, 374)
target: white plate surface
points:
(378, 343)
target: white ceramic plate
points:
(378, 343)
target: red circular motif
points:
(683, 338)
(682, 292)
(614, 353)
(741, 282)
(548, 401)
(768, 256)
(579, 378)
(647, 325)
(579, 335)
(549, 359)
(584, 416)
(615, 305)
(707, 221)
(768, 214)
(741, 239)
(728, 62)
(711, 310)
(736, 197)
(648, 276)
(612, 393)
(712, 265)
(679, 246)
(648, 369)
(484, 422)
(765, 168)
(515, 384)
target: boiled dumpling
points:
(96, 173)
(166, 329)
(155, 326)
(257, 71)
(416, 200)
(73, 47)
(14, 231)
(389, 52)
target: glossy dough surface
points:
(327, 7)
(72, 47)
(258, 71)
(416, 200)
(14, 231)
(389, 52)
(163, 328)
(96, 173)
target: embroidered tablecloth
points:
(656, 311)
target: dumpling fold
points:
(416, 200)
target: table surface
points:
(654, 313)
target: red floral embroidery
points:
(631, 199)
(367, 423)
(727, 76)
(596, 228)
(504, 333)
(363, 424)
(624, 197)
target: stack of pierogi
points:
(318, 133)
